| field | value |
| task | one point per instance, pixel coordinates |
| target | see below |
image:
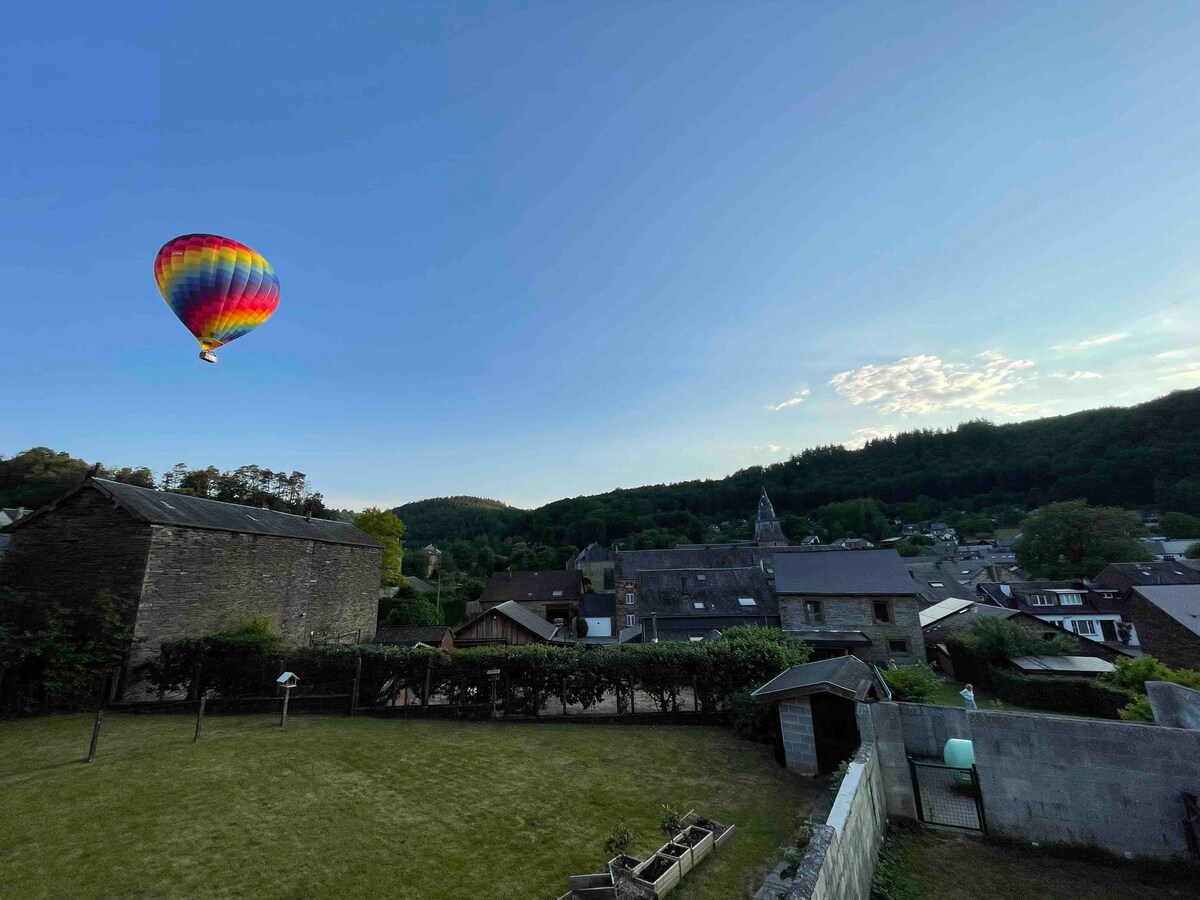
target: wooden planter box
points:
(701, 841)
(592, 887)
(681, 852)
(721, 833)
(614, 865)
(665, 880)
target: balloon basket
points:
(208, 356)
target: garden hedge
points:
(1085, 697)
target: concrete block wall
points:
(1117, 785)
(841, 859)
(880, 723)
(1174, 705)
(799, 743)
(927, 728)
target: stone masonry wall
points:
(200, 582)
(622, 612)
(82, 547)
(841, 859)
(857, 614)
(799, 742)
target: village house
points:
(687, 604)
(556, 596)
(862, 603)
(595, 563)
(185, 566)
(1085, 609)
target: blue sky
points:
(532, 250)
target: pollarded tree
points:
(1074, 540)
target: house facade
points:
(187, 566)
(595, 563)
(862, 603)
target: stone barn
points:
(189, 566)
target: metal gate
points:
(947, 795)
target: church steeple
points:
(767, 530)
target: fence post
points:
(96, 725)
(563, 696)
(199, 718)
(194, 687)
(425, 694)
(695, 695)
(283, 715)
(357, 682)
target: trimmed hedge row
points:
(530, 675)
(1086, 697)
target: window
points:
(697, 604)
(695, 638)
(556, 593)
(1085, 626)
(882, 610)
(937, 584)
(702, 578)
(898, 645)
(747, 601)
(814, 612)
(629, 599)
(1071, 599)
(1041, 600)
(630, 620)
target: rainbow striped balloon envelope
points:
(219, 289)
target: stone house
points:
(686, 604)
(189, 566)
(862, 603)
(595, 562)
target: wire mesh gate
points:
(947, 795)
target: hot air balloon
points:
(219, 289)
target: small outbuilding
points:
(509, 623)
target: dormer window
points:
(702, 578)
(1041, 600)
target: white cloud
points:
(918, 385)
(860, 436)
(799, 397)
(774, 448)
(1170, 354)
(1089, 343)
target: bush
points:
(1069, 695)
(236, 662)
(988, 644)
(913, 684)
(1137, 711)
(893, 878)
(1132, 674)
(753, 721)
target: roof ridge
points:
(277, 512)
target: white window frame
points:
(556, 593)
(1073, 599)
(1090, 623)
(630, 620)
(1041, 600)
(629, 598)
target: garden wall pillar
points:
(799, 743)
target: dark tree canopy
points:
(1074, 540)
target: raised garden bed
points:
(681, 852)
(700, 840)
(659, 873)
(721, 833)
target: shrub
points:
(915, 684)
(1137, 711)
(1070, 695)
(618, 842)
(669, 822)
(1192, 552)
(1132, 674)
(238, 661)
(893, 878)
(753, 721)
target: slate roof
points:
(707, 556)
(859, 573)
(593, 552)
(675, 593)
(1149, 573)
(598, 606)
(527, 619)
(182, 511)
(531, 586)
(411, 634)
(1069, 665)
(1179, 601)
(845, 676)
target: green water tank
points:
(959, 753)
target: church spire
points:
(767, 530)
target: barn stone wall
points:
(72, 553)
(200, 582)
(853, 613)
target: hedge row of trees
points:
(240, 664)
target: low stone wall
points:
(840, 859)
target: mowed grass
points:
(953, 867)
(338, 807)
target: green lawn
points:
(336, 807)
(947, 695)
(950, 867)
